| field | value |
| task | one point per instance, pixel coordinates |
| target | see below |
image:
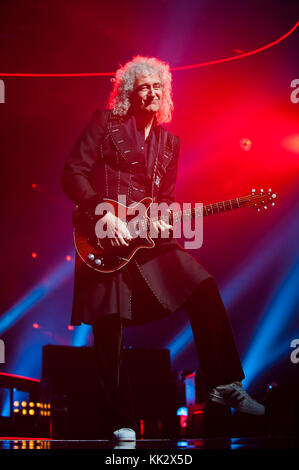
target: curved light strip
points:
(183, 67)
(240, 56)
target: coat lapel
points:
(126, 146)
(124, 143)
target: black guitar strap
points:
(163, 159)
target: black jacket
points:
(105, 162)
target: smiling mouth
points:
(155, 101)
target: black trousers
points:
(218, 356)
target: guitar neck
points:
(207, 209)
(224, 206)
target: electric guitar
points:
(99, 255)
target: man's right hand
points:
(117, 231)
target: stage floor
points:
(11, 443)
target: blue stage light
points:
(80, 335)
(179, 343)
(285, 235)
(182, 444)
(182, 411)
(263, 349)
(264, 254)
(38, 293)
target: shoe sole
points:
(221, 401)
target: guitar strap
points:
(163, 159)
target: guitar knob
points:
(90, 257)
(97, 262)
(273, 203)
(265, 207)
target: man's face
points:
(147, 94)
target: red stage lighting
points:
(183, 421)
(34, 254)
(291, 143)
(141, 428)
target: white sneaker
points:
(236, 397)
(124, 434)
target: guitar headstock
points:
(262, 200)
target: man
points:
(125, 151)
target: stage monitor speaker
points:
(69, 383)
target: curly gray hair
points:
(119, 99)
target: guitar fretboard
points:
(207, 209)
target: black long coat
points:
(106, 162)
